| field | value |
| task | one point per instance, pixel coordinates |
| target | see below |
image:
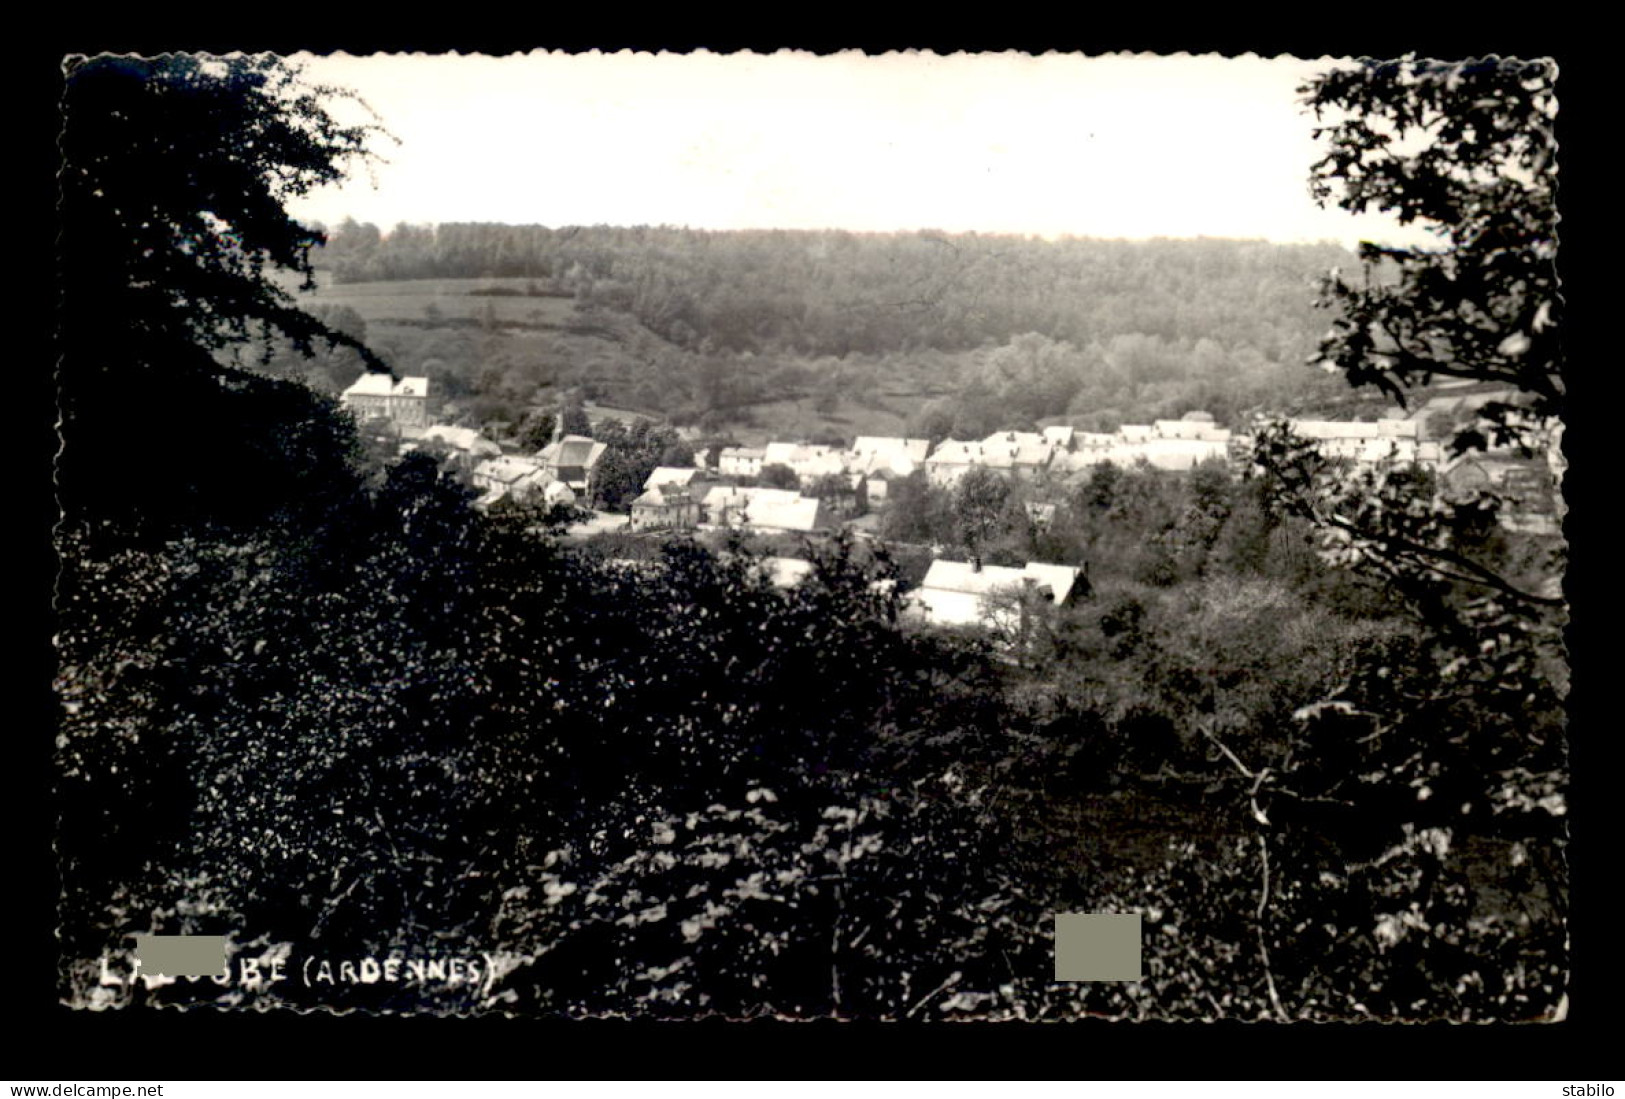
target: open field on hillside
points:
(452, 299)
(797, 419)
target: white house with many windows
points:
(379, 396)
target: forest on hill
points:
(834, 332)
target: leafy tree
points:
(632, 454)
(778, 475)
(1482, 177)
(538, 427)
(1468, 151)
(575, 420)
(917, 511)
(1465, 149)
(980, 507)
(175, 174)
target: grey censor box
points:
(1097, 946)
(181, 955)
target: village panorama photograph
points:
(790, 536)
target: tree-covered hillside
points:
(960, 334)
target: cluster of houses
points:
(957, 593)
(561, 473)
(677, 499)
(835, 482)
(1065, 454)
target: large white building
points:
(379, 396)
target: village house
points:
(891, 455)
(573, 460)
(806, 461)
(1022, 455)
(1528, 484)
(521, 480)
(964, 593)
(667, 505)
(740, 461)
(1173, 445)
(463, 440)
(1060, 437)
(375, 396)
(463, 447)
(951, 460)
(1192, 425)
(844, 494)
(1176, 454)
(670, 499)
(876, 491)
(686, 476)
(1370, 443)
(1361, 441)
(762, 509)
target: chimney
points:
(976, 562)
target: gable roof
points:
(778, 508)
(963, 576)
(955, 452)
(878, 452)
(1005, 449)
(670, 475)
(507, 468)
(463, 438)
(572, 450)
(662, 496)
(803, 513)
(371, 385)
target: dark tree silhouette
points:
(175, 174)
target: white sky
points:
(1119, 146)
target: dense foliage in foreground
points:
(671, 787)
